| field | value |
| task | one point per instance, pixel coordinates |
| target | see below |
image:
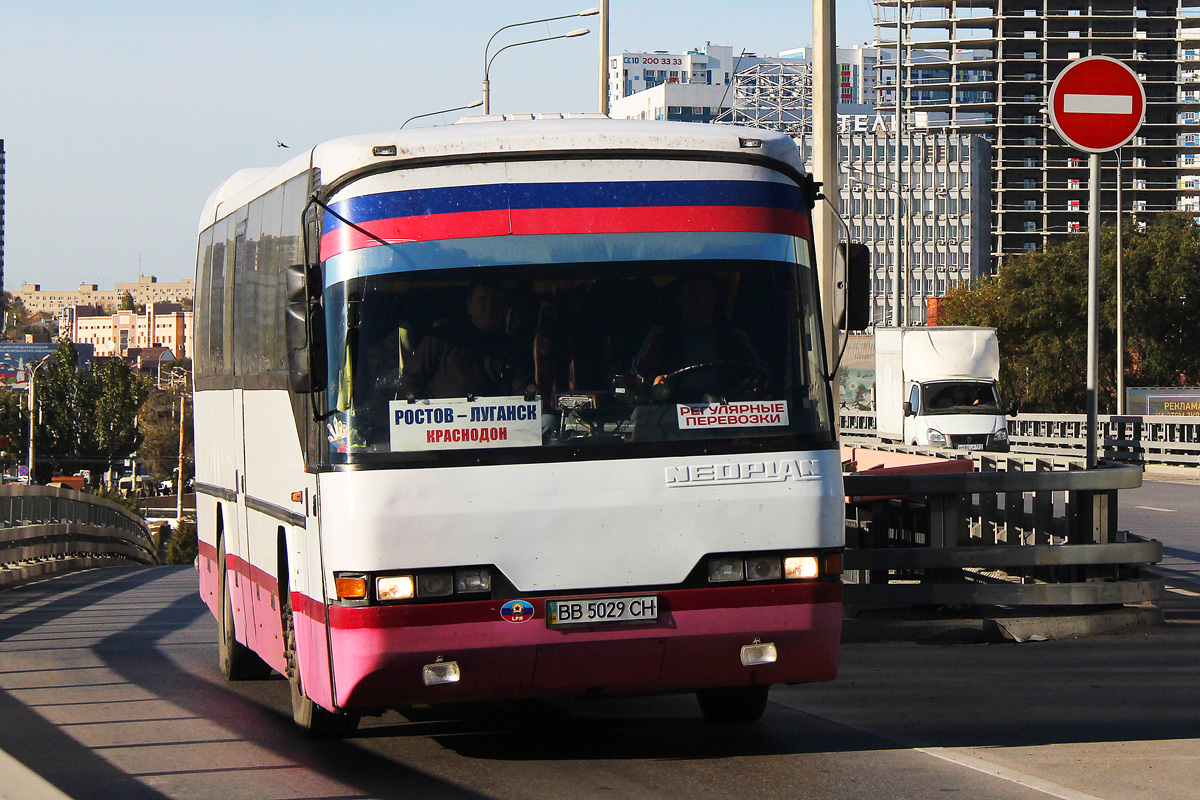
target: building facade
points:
(986, 67)
(711, 65)
(945, 213)
(161, 325)
(145, 291)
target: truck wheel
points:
(238, 662)
(733, 703)
(315, 721)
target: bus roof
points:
(521, 133)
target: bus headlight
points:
(762, 568)
(724, 570)
(799, 568)
(935, 437)
(435, 584)
(394, 587)
(1000, 436)
(472, 580)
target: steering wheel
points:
(742, 376)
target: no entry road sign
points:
(1097, 104)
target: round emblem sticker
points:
(517, 611)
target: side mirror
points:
(1014, 409)
(304, 327)
(852, 286)
(908, 409)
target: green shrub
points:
(182, 547)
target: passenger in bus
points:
(699, 334)
(476, 356)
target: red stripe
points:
(429, 227)
(529, 222)
(398, 616)
(662, 219)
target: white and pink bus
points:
(518, 408)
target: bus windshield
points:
(547, 357)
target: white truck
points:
(937, 387)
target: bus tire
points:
(316, 722)
(238, 662)
(732, 704)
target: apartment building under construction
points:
(986, 67)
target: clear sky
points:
(120, 117)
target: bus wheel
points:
(315, 721)
(238, 662)
(733, 703)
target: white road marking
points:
(1155, 508)
(1048, 788)
(1186, 592)
(1098, 104)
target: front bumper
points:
(379, 652)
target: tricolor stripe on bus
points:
(566, 208)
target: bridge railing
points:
(1018, 531)
(1159, 440)
(46, 530)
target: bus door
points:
(244, 588)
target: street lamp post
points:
(32, 417)
(487, 62)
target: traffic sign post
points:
(1096, 105)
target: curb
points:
(1028, 628)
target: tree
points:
(159, 422)
(86, 419)
(64, 418)
(1038, 304)
(117, 392)
(14, 428)
(126, 303)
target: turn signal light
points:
(351, 587)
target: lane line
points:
(1154, 508)
(1186, 592)
(1048, 788)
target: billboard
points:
(1165, 401)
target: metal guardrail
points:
(46, 530)
(1020, 531)
(1157, 440)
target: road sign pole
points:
(1093, 303)
(1096, 105)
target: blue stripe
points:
(502, 251)
(611, 194)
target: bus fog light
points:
(472, 580)
(441, 672)
(797, 568)
(764, 568)
(350, 587)
(755, 654)
(394, 587)
(722, 570)
(435, 584)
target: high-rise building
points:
(986, 67)
(945, 213)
